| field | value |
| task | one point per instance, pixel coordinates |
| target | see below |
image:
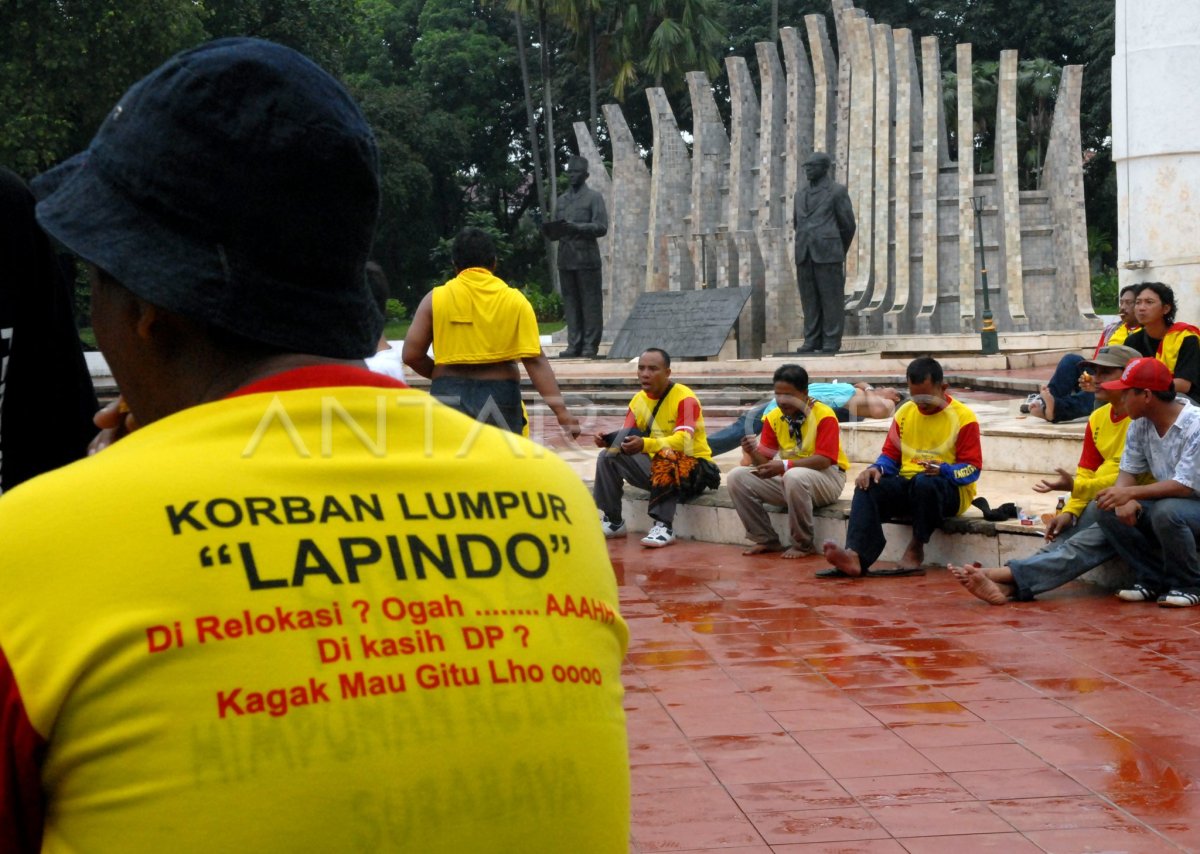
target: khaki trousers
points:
(799, 489)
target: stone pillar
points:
(843, 10)
(710, 175)
(966, 189)
(773, 128)
(908, 122)
(599, 181)
(782, 318)
(885, 98)
(824, 85)
(628, 220)
(931, 139)
(752, 325)
(799, 138)
(744, 126)
(1062, 178)
(860, 181)
(1008, 190)
(670, 193)
(1156, 146)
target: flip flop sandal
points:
(898, 572)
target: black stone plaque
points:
(687, 324)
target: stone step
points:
(711, 518)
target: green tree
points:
(64, 64)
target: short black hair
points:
(473, 247)
(1128, 289)
(793, 375)
(666, 356)
(1165, 293)
(1165, 396)
(924, 368)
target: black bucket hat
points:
(237, 184)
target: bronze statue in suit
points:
(581, 219)
(824, 221)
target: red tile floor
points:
(772, 711)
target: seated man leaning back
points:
(255, 632)
(927, 471)
(660, 447)
(1076, 544)
(810, 471)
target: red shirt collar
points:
(317, 376)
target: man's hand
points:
(114, 420)
(600, 440)
(749, 443)
(1114, 496)
(1059, 525)
(632, 445)
(1063, 483)
(1129, 512)
(569, 423)
(868, 477)
(930, 468)
(771, 468)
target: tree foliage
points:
(442, 83)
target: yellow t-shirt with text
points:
(318, 619)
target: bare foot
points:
(979, 585)
(764, 548)
(843, 559)
(1048, 409)
(793, 553)
(914, 555)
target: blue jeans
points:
(1084, 546)
(495, 402)
(749, 423)
(927, 501)
(1161, 547)
(1069, 402)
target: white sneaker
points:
(660, 535)
(1137, 593)
(610, 530)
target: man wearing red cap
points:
(1154, 527)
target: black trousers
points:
(583, 306)
(928, 501)
(823, 300)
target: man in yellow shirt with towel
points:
(479, 328)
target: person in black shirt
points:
(46, 396)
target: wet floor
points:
(772, 711)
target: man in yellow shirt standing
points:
(479, 327)
(660, 447)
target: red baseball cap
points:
(1146, 372)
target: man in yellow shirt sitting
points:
(1076, 542)
(810, 470)
(660, 447)
(926, 472)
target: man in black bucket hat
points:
(258, 622)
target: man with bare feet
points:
(927, 471)
(797, 461)
(1075, 543)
